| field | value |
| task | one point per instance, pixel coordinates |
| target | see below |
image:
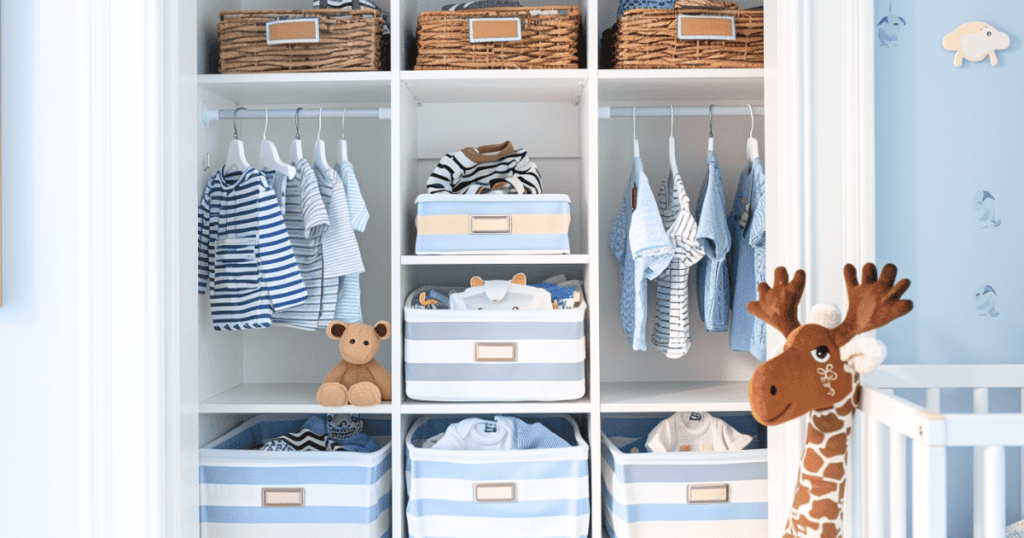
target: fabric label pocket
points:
(236, 269)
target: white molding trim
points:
(858, 175)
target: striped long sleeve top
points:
(245, 257)
(497, 167)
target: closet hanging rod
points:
(605, 112)
(251, 113)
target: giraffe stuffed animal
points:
(818, 372)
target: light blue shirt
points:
(643, 249)
(741, 265)
(713, 236)
(755, 237)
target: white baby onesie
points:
(478, 434)
(688, 431)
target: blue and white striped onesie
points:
(342, 258)
(245, 257)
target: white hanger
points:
(342, 144)
(319, 148)
(751, 142)
(670, 181)
(236, 150)
(711, 130)
(636, 144)
(296, 152)
(672, 142)
(269, 158)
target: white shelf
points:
(370, 87)
(661, 396)
(542, 259)
(680, 85)
(278, 398)
(499, 85)
(416, 407)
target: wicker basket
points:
(537, 41)
(649, 39)
(347, 41)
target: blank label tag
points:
(490, 224)
(497, 492)
(284, 497)
(495, 352)
(492, 30)
(293, 31)
(706, 27)
(717, 493)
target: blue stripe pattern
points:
(519, 509)
(556, 242)
(433, 208)
(499, 471)
(277, 476)
(636, 513)
(487, 330)
(298, 514)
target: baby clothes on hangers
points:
(306, 218)
(498, 167)
(643, 249)
(741, 265)
(755, 236)
(713, 236)
(349, 305)
(245, 257)
(341, 251)
(672, 311)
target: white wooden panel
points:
(543, 129)
(256, 398)
(654, 396)
(874, 486)
(496, 86)
(358, 89)
(929, 493)
(948, 376)
(980, 407)
(1005, 429)
(661, 86)
(993, 492)
(897, 494)
(902, 416)
(933, 400)
(417, 407)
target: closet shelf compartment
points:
(525, 85)
(417, 407)
(278, 398)
(649, 396)
(697, 85)
(371, 87)
(517, 259)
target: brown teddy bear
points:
(358, 379)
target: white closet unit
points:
(227, 377)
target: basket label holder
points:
(494, 492)
(717, 27)
(498, 29)
(490, 224)
(494, 352)
(283, 497)
(287, 31)
(706, 494)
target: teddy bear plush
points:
(358, 379)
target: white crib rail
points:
(888, 421)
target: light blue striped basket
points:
(262, 494)
(539, 493)
(672, 494)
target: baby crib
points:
(888, 421)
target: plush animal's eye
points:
(352, 341)
(989, 34)
(820, 354)
(366, 342)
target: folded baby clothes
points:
(352, 5)
(326, 433)
(626, 5)
(431, 300)
(688, 431)
(502, 433)
(481, 4)
(497, 168)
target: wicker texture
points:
(647, 39)
(349, 41)
(548, 41)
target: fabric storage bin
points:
(309, 40)
(527, 37)
(492, 224)
(494, 356)
(254, 493)
(539, 493)
(671, 494)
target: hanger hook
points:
(634, 122)
(321, 126)
(344, 114)
(672, 120)
(266, 121)
(234, 118)
(751, 120)
(711, 127)
(297, 122)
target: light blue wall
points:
(942, 135)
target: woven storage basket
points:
(648, 39)
(547, 41)
(348, 41)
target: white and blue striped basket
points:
(538, 493)
(262, 494)
(494, 356)
(492, 224)
(672, 494)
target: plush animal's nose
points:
(773, 390)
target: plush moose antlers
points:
(777, 305)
